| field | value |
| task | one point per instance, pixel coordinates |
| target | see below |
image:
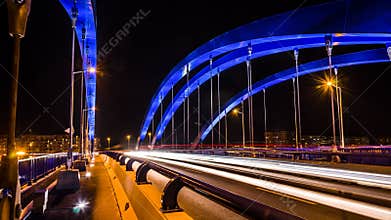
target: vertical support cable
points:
(296, 54)
(211, 95)
(329, 48)
(198, 110)
(184, 120)
(83, 37)
(264, 114)
(250, 98)
(161, 115)
(341, 119)
(153, 127)
(226, 129)
(188, 104)
(172, 116)
(337, 101)
(218, 102)
(243, 126)
(339, 109)
(295, 107)
(74, 19)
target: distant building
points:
(283, 137)
(316, 140)
(356, 141)
(384, 140)
(313, 140)
(41, 143)
(277, 137)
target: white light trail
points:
(361, 208)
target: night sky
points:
(129, 75)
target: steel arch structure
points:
(239, 56)
(86, 19)
(298, 25)
(358, 58)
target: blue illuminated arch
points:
(325, 18)
(86, 19)
(358, 58)
(239, 56)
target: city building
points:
(278, 137)
(41, 143)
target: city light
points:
(236, 111)
(108, 141)
(20, 153)
(88, 174)
(91, 70)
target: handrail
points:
(31, 169)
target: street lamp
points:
(108, 142)
(334, 85)
(18, 12)
(236, 111)
(149, 136)
(88, 70)
(128, 138)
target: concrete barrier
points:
(146, 198)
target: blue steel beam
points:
(86, 19)
(358, 58)
(239, 56)
(326, 18)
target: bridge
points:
(186, 165)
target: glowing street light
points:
(20, 153)
(236, 111)
(149, 136)
(331, 84)
(108, 142)
(128, 138)
(91, 69)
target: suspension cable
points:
(265, 114)
(329, 48)
(218, 101)
(211, 95)
(296, 54)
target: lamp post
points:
(81, 72)
(10, 202)
(128, 138)
(333, 85)
(149, 137)
(236, 111)
(108, 142)
(74, 19)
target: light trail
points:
(361, 208)
(361, 178)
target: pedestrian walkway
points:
(96, 198)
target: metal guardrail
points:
(31, 169)
(374, 155)
(247, 207)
